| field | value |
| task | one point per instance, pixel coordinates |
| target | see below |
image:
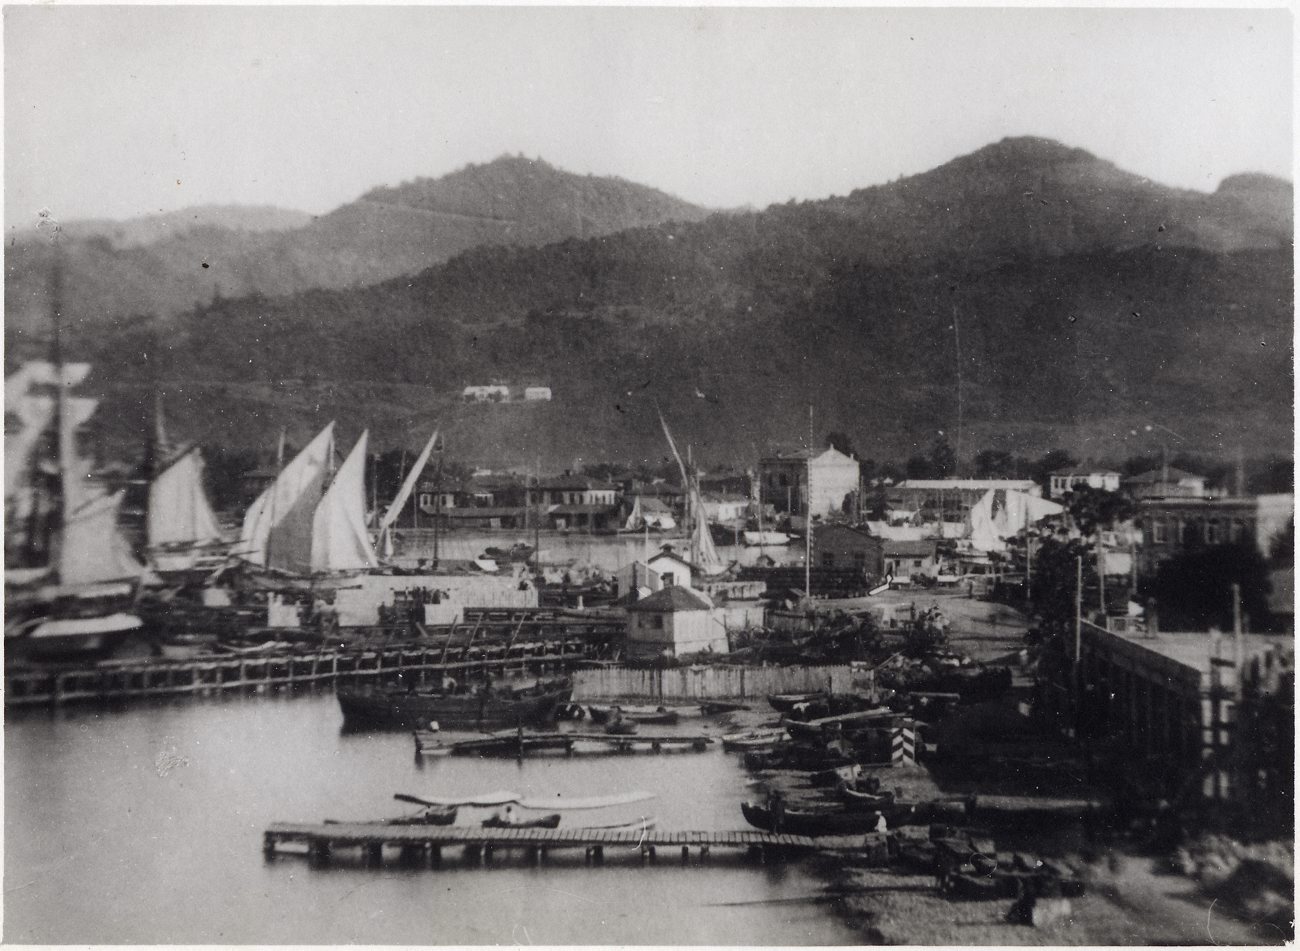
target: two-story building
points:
(1063, 480)
(954, 496)
(817, 482)
(836, 545)
(575, 502)
(1165, 483)
(1169, 527)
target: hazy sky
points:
(122, 111)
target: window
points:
(1237, 531)
(425, 499)
(1159, 531)
(916, 562)
(1212, 536)
(828, 559)
(657, 621)
(860, 558)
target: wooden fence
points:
(714, 682)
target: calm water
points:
(144, 826)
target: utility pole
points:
(1078, 641)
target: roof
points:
(975, 484)
(1156, 476)
(802, 455)
(833, 526)
(573, 482)
(484, 511)
(652, 504)
(910, 549)
(668, 552)
(1082, 470)
(673, 598)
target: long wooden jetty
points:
(424, 844)
(509, 745)
(111, 680)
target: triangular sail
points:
(339, 538)
(93, 549)
(706, 555)
(635, 519)
(180, 520)
(278, 527)
(399, 502)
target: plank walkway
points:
(431, 744)
(427, 842)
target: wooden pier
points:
(423, 845)
(53, 685)
(565, 744)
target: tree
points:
(1281, 550)
(1047, 463)
(994, 464)
(1096, 509)
(919, 467)
(840, 442)
(1194, 590)
(943, 461)
(1055, 583)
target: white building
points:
(793, 483)
(493, 392)
(1066, 478)
(672, 567)
(537, 393)
(672, 622)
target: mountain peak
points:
(1029, 150)
(1255, 183)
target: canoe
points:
(795, 822)
(856, 801)
(541, 822)
(754, 740)
(412, 710)
(786, 702)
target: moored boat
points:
(796, 822)
(661, 716)
(789, 702)
(754, 740)
(408, 710)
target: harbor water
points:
(144, 825)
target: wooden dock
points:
(424, 844)
(565, 744)
(112, 681)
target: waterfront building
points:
(534, 394)
(955, 496)
(785, 480)
(835, 545)
(907, 560)
(672, 567)
(1169, 527)
(1165, 483)
(673, 622)
(1063, 480)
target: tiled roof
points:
(673, 598)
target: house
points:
(535, 394)
(491, 393)
(638, 577)
(1165, 483)
(726, 482)
(808, 482)
(672, 622)
(905, 560)
(846, 546)
(1066, 478)
(953, 495)
(672, 567)
(725, 508)
(1170, 527)
(572, 501)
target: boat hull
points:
(395, 710)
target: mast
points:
(807, 512)
(956, 334)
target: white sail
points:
(399, 502)
(93, 549)
(339, 538)
(408, 484)
(180, 520)
(278, 527)
(706, 556)
(635, 519)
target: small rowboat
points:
(754, 740)
(856, 801)
(787, 702)
(512, 822)
(795, 822)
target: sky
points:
(117, 112)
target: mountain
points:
(1076, 302)
(171, 263)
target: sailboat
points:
(181, 529)
(385, 539)
(704, 555)
(309, 521)
(70, 578)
